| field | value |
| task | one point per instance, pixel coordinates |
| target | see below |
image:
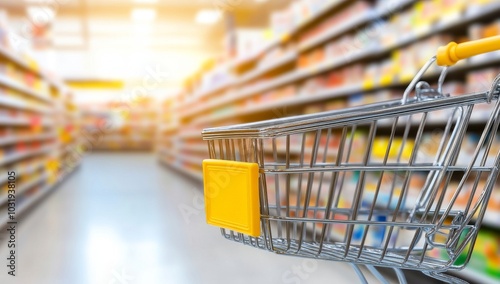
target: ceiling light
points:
(40, 15)
(207, 16)
(143, 15)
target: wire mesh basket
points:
(388, 184)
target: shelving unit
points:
(364, 57)
(129, 129)
(30, 128)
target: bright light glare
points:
(40, 15)
(207, 16)
(143, 15)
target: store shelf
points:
(124, 139)
(24, 187)
(192, 173)
(288, 102)
(136, 130)
(341, 91)
(339, 30)
(353, 23)
(214, 90)
(26, 66)
(375, 52)
(195, 160)
(283, 60)
(18, 156)
(16, 139)
(290, 34)
(190, 134)
(32, 200)
(22, 171)
(169, 128)
(9, 83)
(196, 148)
(22, 121)
(190, 159)
(20, 104)
(139, 124)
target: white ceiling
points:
(98, 39)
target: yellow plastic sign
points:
(232, 195)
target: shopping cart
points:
(388, 184)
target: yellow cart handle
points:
(450, 54)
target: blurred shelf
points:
(290, 101)
(169, 128)
(283, 60)
(28, 67)
(375, 52)
(20, 104)
(16, 59)
(195, 160)
(190, 172)
(352, 23)
(27, 203)
(329, 8)
(188, 110)
(23, 171)
(126, 139)
(22, 121)
(196, 148)
(190, 134)
(342, 91)
(340, 29)
(166, 152)
(18, 156)
(16, 139)
(24, 187)
(7, 82)
(192, 159)
(214, 90)
(473, 275)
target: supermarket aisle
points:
(119, 219)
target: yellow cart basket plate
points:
(232, 195)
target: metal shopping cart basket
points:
(398, 184)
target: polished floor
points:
(126, 219)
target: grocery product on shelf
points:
(30, 126)
(121, 129)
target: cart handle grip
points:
(450, 54)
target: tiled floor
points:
(123, 218)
